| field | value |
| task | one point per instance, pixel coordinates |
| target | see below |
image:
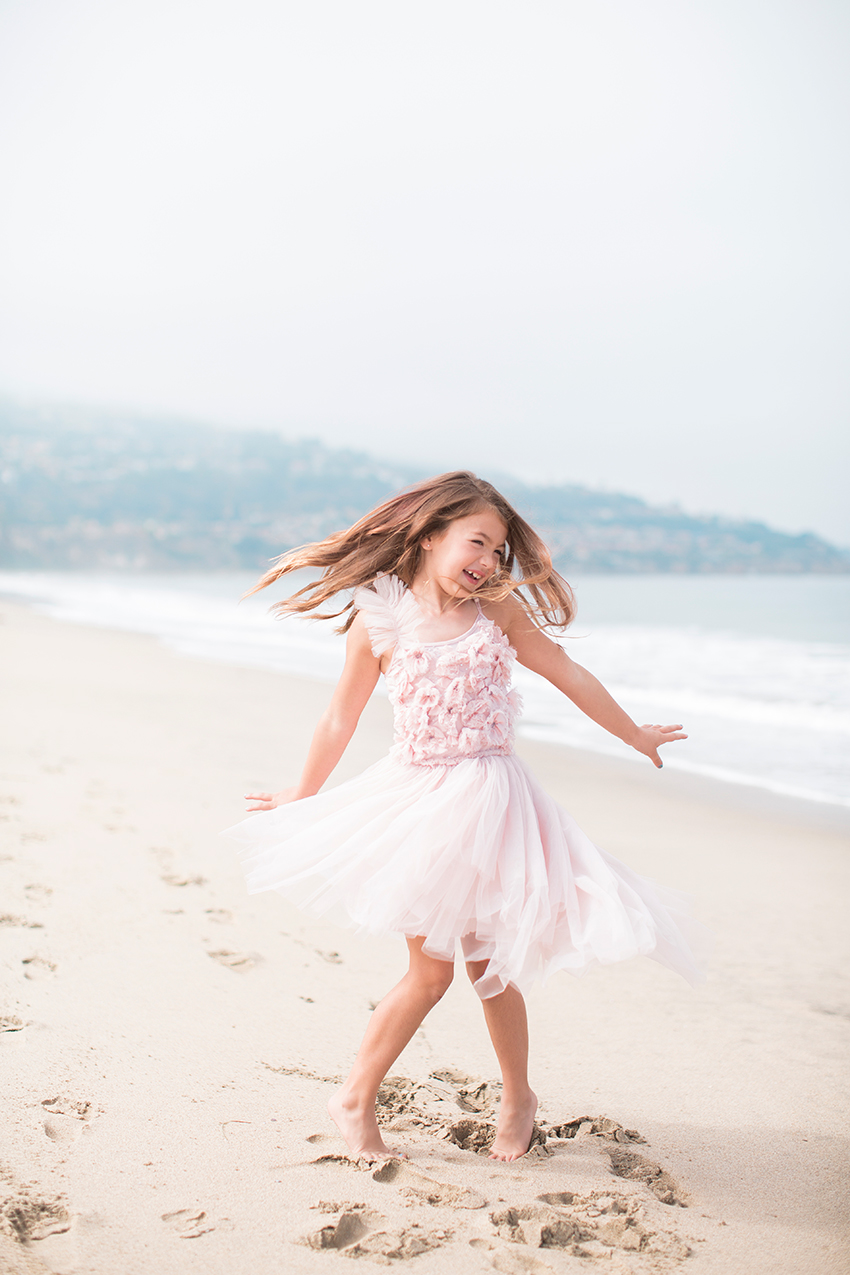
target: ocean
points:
(756, 667)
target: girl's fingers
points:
(265, 800)
(669, 732)
(667, 735)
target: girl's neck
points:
(432, 597)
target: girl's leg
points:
(507, 1023)
(390, 1028)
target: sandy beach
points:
(169, 1043)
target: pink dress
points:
(450, 837)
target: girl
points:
(449, 837)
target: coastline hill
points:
(81, 489)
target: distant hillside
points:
(82, 489)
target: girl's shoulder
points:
(505, 614)
(384, 590)
(389, 611)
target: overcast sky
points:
(603, 242)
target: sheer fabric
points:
(451, 838)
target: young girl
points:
(450, 837)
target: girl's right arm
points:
(337, 723)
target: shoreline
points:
(725, 749)
(688, 784)
(746, 794)
(176, 1039)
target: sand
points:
(170, 1042)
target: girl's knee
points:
(432, 975)
(443, 981)
(476, 970)
(436, 979)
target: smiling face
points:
(466, 553)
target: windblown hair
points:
(388, 540)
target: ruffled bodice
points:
(451, 700)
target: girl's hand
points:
(268, 800)
(650, 738)
(539, 653)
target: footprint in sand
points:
(398, 1245)
(472, 1135)
(10, 1023)
(27, 1218)
(222, 916)
(37, 893)
(599, 1126)
(188, 1223)
(478, 1136)
(179, 879)
(471, 1093)
(10, 920)
(358, 1232)
(38, 967)
(355, 1222)
(239, 961)
(537, 1227)
(418, 1186)
(627, 1164)
(66, 1118)
(595, 1226)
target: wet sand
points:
(170, 1043)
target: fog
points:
(601, 243)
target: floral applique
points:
(451, 704)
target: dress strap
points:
(390, 612)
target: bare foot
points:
(359, 1127)
(513, 1132)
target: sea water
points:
(756, 667)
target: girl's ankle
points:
(355, 1099)
(518, 1095)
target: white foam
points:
(771, 712)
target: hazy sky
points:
(602, 242)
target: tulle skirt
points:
(474, 852)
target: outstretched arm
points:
(337, 723)
(538, 652)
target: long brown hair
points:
(388, 540)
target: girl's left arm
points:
(539, 653)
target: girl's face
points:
(466, 553)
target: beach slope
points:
(169, 1043)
